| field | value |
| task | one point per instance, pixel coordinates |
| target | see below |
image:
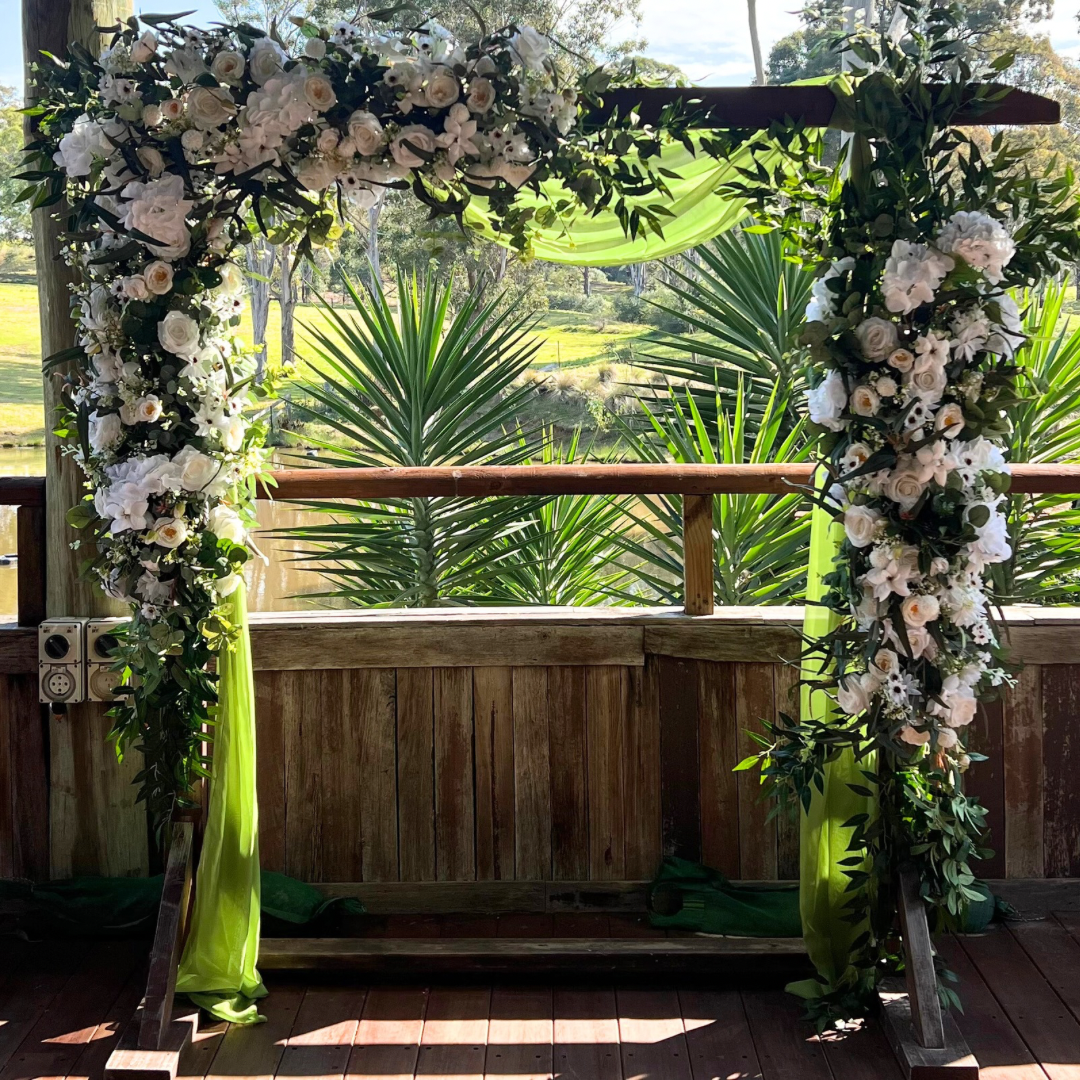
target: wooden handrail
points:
(22, 490)
(479, 481)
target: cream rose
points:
(151, 116)
(947, 738)
(134, 288)
(481, 96)
(228, 66)
(949, 420)
(443, 89)
(225, 524)
(861, 525)
(864, 401)
(151, 159)
(105, 431)
(929, 384)
(265, 60)
(169, 532)
(886, 386)
(197, 471)
(914, 737)
(877, 338)
(179, 334)
(158, 209)
(903, 487)
(172, 109)
(366, 132)
(158, 276)
(901, 359)
(316, 174)
(417, 136)
(210, 107)
(232, 279)
(886, 662)
(328, 141)
(148, 409)
(319, 93)
(919, 610)
(854, 692)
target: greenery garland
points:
(912, 333)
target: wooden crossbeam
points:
(757, 107)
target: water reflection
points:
(277, 586)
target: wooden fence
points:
(525, 758)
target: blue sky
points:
(707, 38)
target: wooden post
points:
(95, 825)
(30, 532)
(697, 554)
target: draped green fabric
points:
(580, 239)
(218, 967)
(823, 840)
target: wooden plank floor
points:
(64, 1004)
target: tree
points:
(755, 43)
(14, 216)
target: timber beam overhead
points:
(758, 107)
(481, 481)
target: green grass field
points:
(579, 344)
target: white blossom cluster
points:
(910, 401)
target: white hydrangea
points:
(826, 401)
(980, 241)
(913, 274)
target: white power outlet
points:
(62, 661)
(101, 680)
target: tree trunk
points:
(637, 277)
(586, 282)
(307, 275)
(287, 302)
(373, 244)
(261, 257)
(95, 825)
(755, 43)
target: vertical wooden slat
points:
(754, 700)
(680, 775)
(605, 691)
(1023, 760)
(568, 755)
(641, 772)
(532, 775)
(719, 756)
(305, 786)
(493, 720)
(416, 774)
(1061, 765)
(7, 787)
(986, 780)
(455, 836)
(270, 703)
(30, 533)
(786, 686)
(697, 554)
(370, 702)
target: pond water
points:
(278, 585)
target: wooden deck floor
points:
(62, 1005)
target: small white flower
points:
(315, 48)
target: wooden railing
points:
(27, 493)
(697, 484)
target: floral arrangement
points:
(912, 332)
(170, 149)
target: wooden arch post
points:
(95, 825)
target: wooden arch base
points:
(928, 1044)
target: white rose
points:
(159, 209)
(928, 384)
(225, 524)
(265, 61)
(443, 89)
(231, 429)
(152, 116)
(179, 334)
(143, 49)
(105, 431)
(366, 131)
(947, 738)
(232, 279)
(328, 141)
(827, 401)
(228, 584)
(210, 107)
(81, 146)
(319, 93)
(864, 401)
(198, 472)
(134, 288)
(148, 409)
(481, 95)
(877, 338)
(854, 693)
(919, 610)
(531, 48)
(417, 136)
(315, 48)
(903, 487)
(169, 532)
(186, 64)
(228, 66)
(861, 525)
(152, 160)
(158, 276)
(316, 174)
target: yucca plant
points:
(566, 548)
(428, 387)
(1045, 529)
(760, 542)
(744, 298)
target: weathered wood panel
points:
(532, 774)
(1061, 757)
(719, 756)
(986, 780)
(641, 772)
(568, 757)
(1023, 761)
(416, 773)
(754, 701)
(606, 698)
(455, 846)
(493, 720)
(679, 757)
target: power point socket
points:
(101, 640)
(62, 661)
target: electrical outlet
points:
(62, 661)
(101, 680)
